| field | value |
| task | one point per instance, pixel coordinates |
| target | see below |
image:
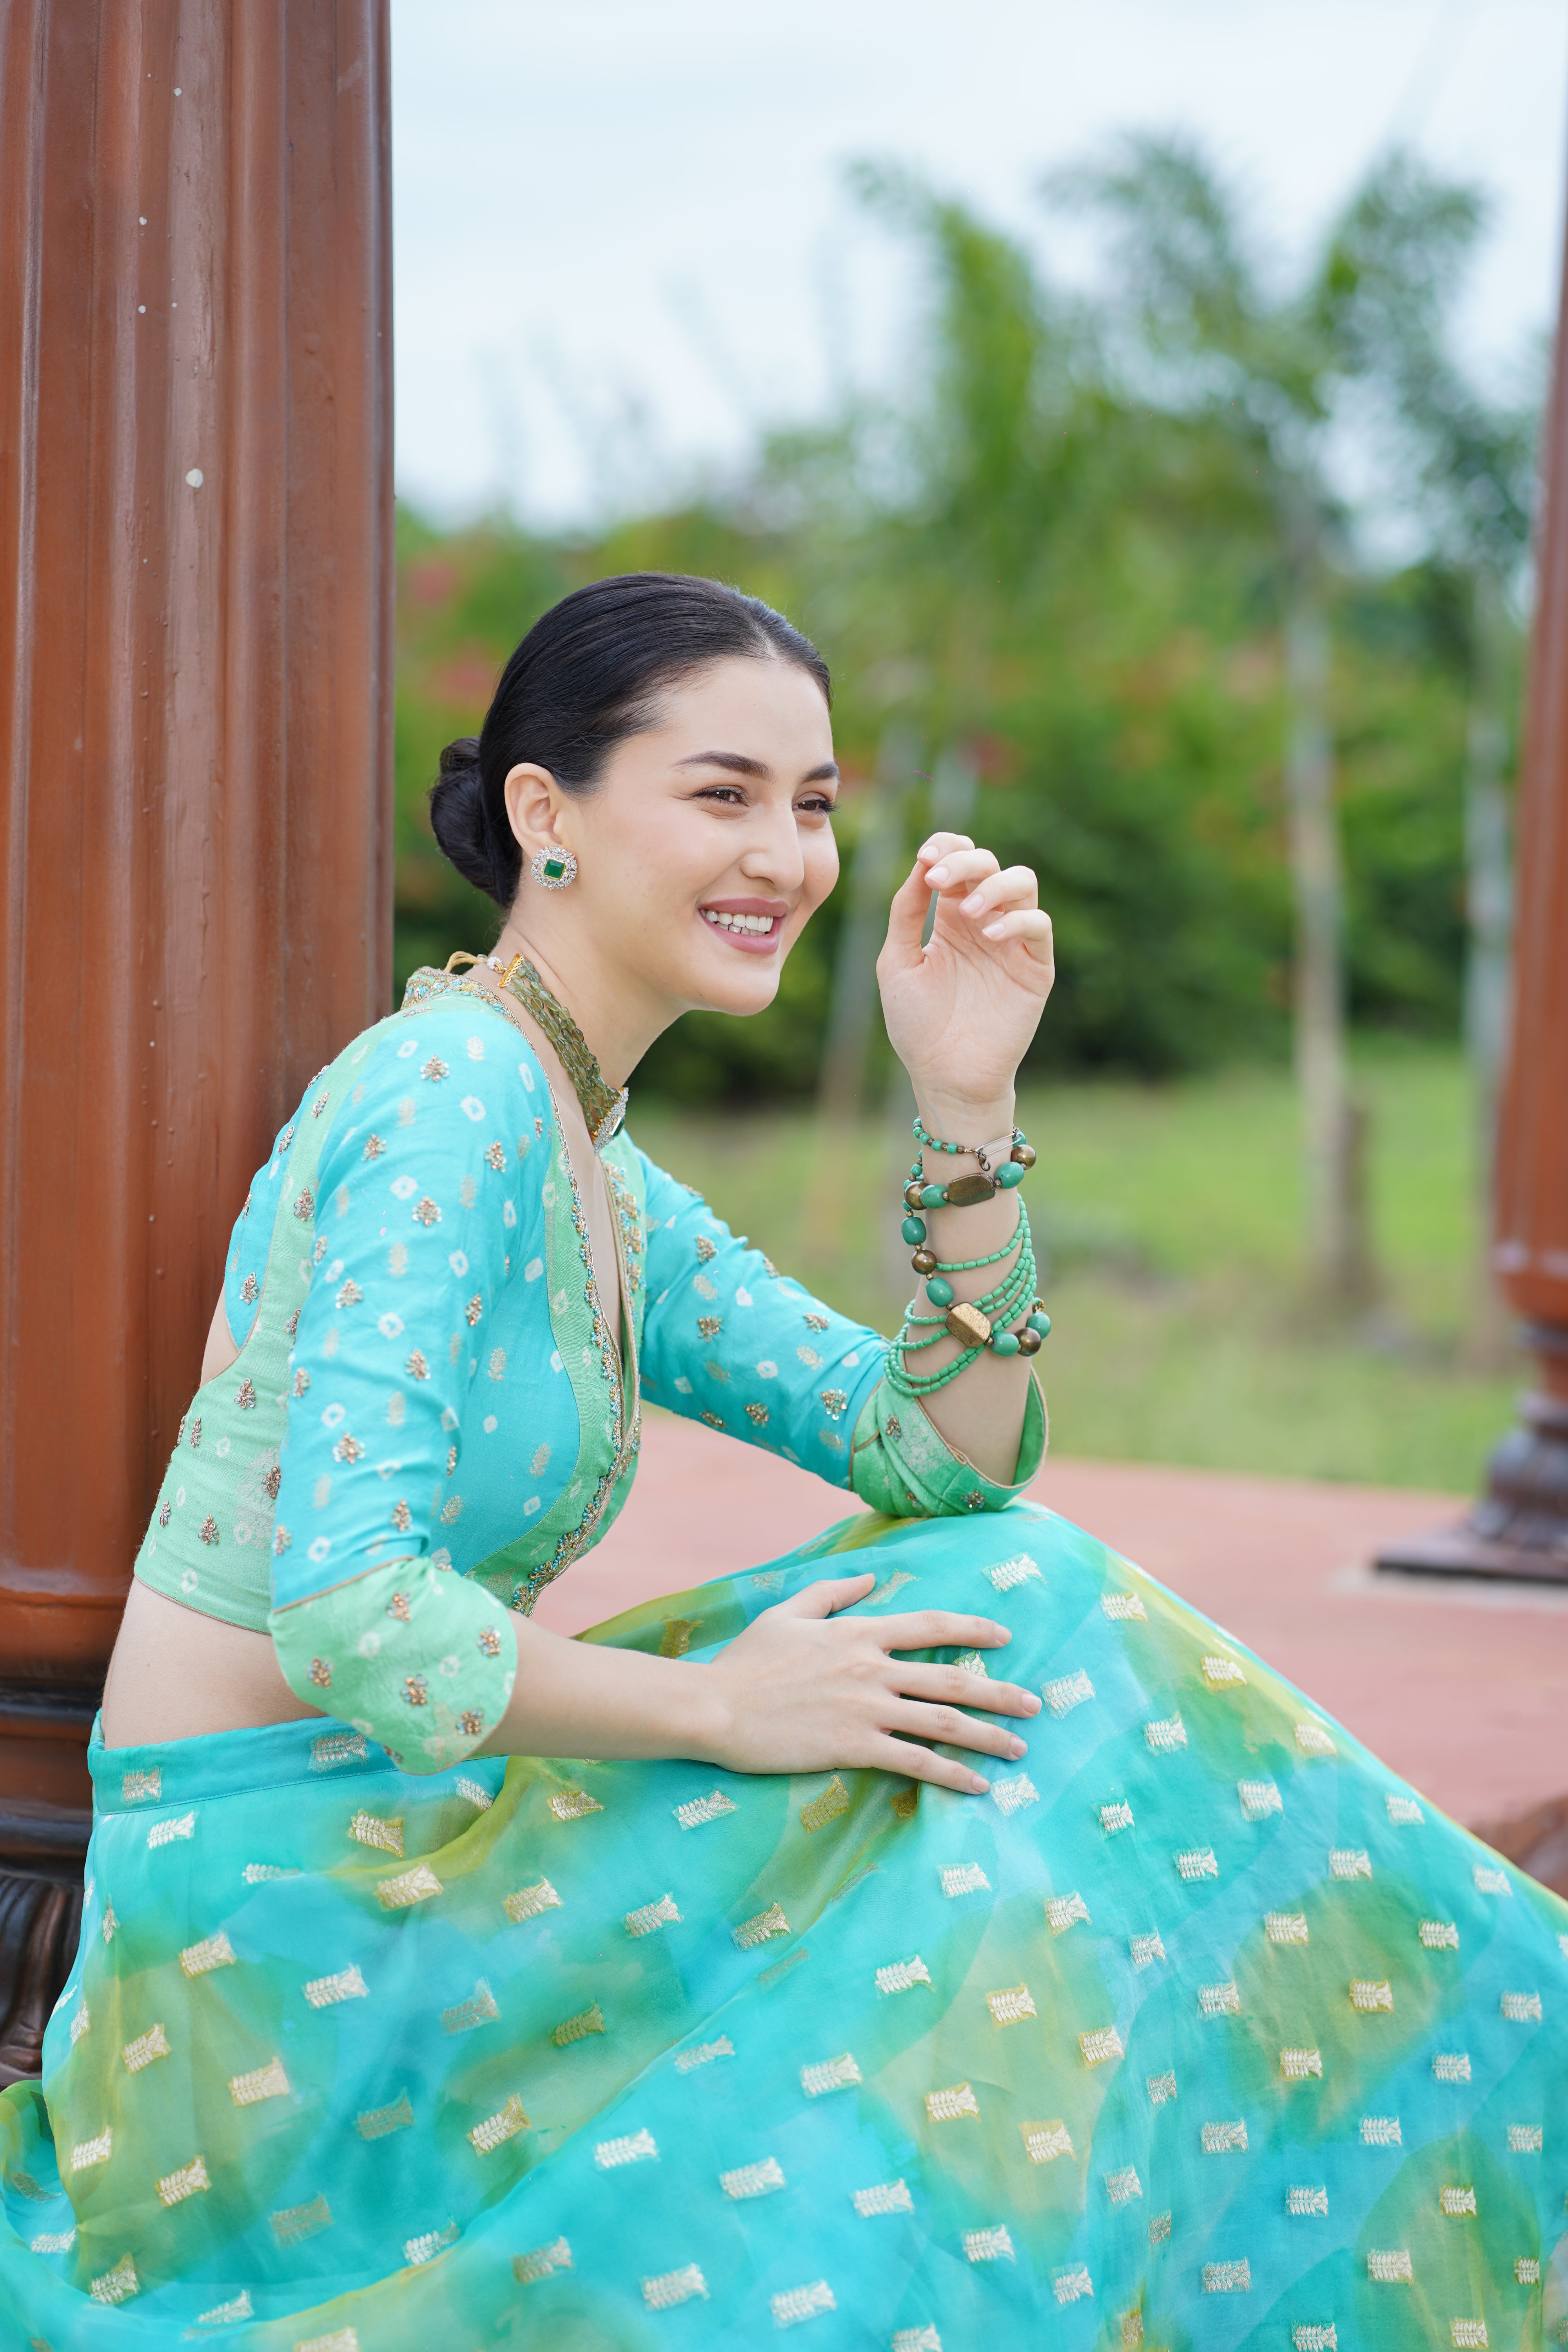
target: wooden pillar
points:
(1520, 1525)
(196, 583)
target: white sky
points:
(623, 242)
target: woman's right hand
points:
(803, 1689)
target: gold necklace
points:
(602, 1107)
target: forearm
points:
(577, 1698)
(980, 1413)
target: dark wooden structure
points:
(1520, 1525)
(196, 648)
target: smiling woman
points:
(374, 2016)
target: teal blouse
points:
(430, 1416)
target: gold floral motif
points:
(212, 1952)
(347, 1449)
(489, 1641)
(426, 1212)
(378, 2123)
(154, 2043)
(435, 1069)
(370, 1828)
(416, 1690)
(176, 2185)
(706, 1250)
(163, 1514)
(529, 1901)
(833, 1401)
(527, 2268)
(250, 1290)
(758, 1413)
(709, 1325)
(118, 2284)
(475, 1309)
(495, 1158)
(833, 1801)
(571, 1804)
(296, 2222)
(815, 1322)
(416, 1367)
(416, 1886)
(197, 1433)
(350, 1294)
(271, 1479)
(268, 2082)
(713, 1420)
(305, 1207)
(373, 1147)
(577, 2029)
(301, 1381)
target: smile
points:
(751, 926)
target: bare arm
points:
(801, 1690)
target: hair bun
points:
(460, 823)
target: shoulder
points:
(448, 1057)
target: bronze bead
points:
(1028, 1342)
(912, 1195)
(1024, 1153)
(924, 1261)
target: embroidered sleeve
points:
(730, 1340)
(904, 1466)
(419, 1216)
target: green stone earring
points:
(553, 869)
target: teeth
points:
(753, 925)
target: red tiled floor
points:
(1464, 1690)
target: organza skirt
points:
(1201, 2029)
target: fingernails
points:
(973, 904)
(991, 931)
(937, 877)
(977, 1787)
(1017, 1747)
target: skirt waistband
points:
(228, 1763)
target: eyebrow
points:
(740, 764)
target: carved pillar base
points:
(46, 1820)
(1519, 1526)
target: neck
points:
(618, 1018)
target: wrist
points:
(969, 1120)
(707, 1715)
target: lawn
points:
(1167, 1221)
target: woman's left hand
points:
(961, 1010)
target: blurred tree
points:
(1275, 373)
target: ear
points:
(535, 805)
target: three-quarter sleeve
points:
(732, 1341)
(422, 1211)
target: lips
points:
(753, 925)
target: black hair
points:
(586, 676)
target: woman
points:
(1181, 2021)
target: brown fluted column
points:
(196, 579)
(1519, 1526)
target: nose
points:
(772, 853)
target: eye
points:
(816, 804)
(727, 795)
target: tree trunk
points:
(1339, 1253)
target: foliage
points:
(1061, 550)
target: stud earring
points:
(553, 869)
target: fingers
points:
(953, 1728)
(825, 1599)
(924, 1764)
(940, 1629)
(959, 868)
(957, 1687)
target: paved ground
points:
(1463, 1689)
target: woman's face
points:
(707, 843)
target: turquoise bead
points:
(933, 1196)
(913, 1230)
(939, 1291)
(1040, 1323)
(1009, 1174)
(1005, 1343)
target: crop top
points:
(429, 1416)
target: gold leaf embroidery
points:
(268, 2082)
(416, 1886)
(176, 2185)
(577, 2029)
(504, 2125)
(631, 2148)
(829, 2075)
(347, 1985)
(377, 2122)
(573, 1804)
(118, 2284)
(833, 1801)
(652, 1916)
(212, 1952)
(295, 2223)
(756, 1930)
(1012, 2005)
(478, 2010)
(370, 1830)
(529, 1901)
(528, 2268)
(147, 2046)
(946, 2107)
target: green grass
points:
(1168, 1224)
